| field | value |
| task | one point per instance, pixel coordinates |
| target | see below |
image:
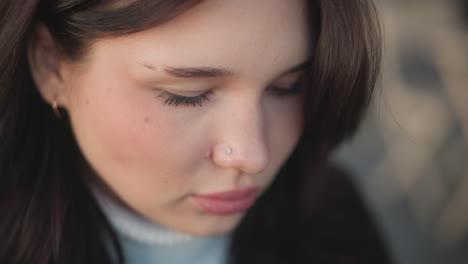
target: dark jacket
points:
(329, 225)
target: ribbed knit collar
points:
(135, 226)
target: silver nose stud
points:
(228, 150)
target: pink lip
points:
(230, 202)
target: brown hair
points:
(48, 215)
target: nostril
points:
(222, 155)
(244, 159)
(257, 165)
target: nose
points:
(242, 143)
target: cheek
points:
(286, 122)
(286, 119)
(126, 131)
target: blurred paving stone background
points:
(410, 157)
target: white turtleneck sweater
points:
(145, 242)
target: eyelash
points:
(190, 101)
(194, 101)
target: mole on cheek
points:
(147, 119)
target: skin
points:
(155, 156)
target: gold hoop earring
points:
(56, 109)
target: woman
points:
(208, 121)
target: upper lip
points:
(234, 194)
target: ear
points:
(46, 62)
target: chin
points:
(216, 226)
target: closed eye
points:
(175, 100)
(283, 92)
(189, 101)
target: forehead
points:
(247, 36)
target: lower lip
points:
(224, 207)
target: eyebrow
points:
(213, 72)
(197, 72)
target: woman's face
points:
(154, 112)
